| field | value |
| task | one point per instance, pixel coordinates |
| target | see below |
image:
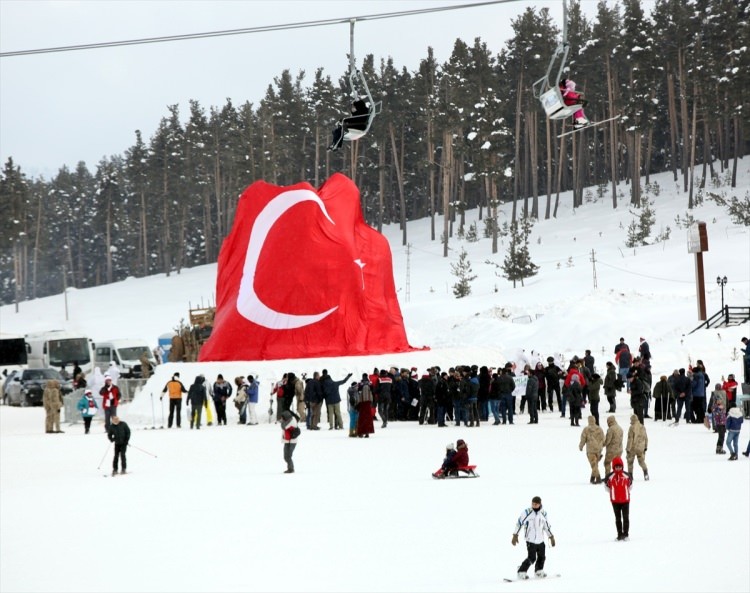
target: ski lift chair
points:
(363, 109)
(548, 91)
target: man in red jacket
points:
(110, 400)
(618, 482)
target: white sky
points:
(213, 511)
(65, 107)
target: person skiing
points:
(533, 521)
(618, 482)
(119, 434)
(571, 97)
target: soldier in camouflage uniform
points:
(593, 437)
(612, 443)
(637, 445)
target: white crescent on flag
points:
(249, 304)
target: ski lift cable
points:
(251, 30)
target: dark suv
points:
(26, 387)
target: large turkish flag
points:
(302, 275)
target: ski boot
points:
(540, 574)
(114, 472)
(522, 576)
(645, 476)
(580, 122)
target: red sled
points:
(466, 471)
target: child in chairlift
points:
(571, 97)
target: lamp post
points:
(721, 282)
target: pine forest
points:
(464, 134)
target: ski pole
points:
(142, 450)
(103, 456)
(153, 415)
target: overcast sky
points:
(60, 108)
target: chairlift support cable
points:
(249, 30)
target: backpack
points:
(296, 432)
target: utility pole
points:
(407, 292)
(593, 262)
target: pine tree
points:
(462, 271)
(517, 265)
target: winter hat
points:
(450, 447)
(219, 377)
(537, 500)
(643, 339)
(617, 461)
(88, 392)
(460, 443)
(107, 377)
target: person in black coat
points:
(314, 399)
(333, 399)
(442, 399)
(197, 398)
(119, 434)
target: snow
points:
(212, 510)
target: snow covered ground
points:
(213, 510)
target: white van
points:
(125, 353)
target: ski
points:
(530, 579)
(592, 124)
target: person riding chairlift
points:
(571, 97)
(360, 110)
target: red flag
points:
(302, 275)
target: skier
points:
(535, 524)
(618, 482)
(119, 434)
(571, 97)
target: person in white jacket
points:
(533, 521)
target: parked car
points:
(26, 387)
